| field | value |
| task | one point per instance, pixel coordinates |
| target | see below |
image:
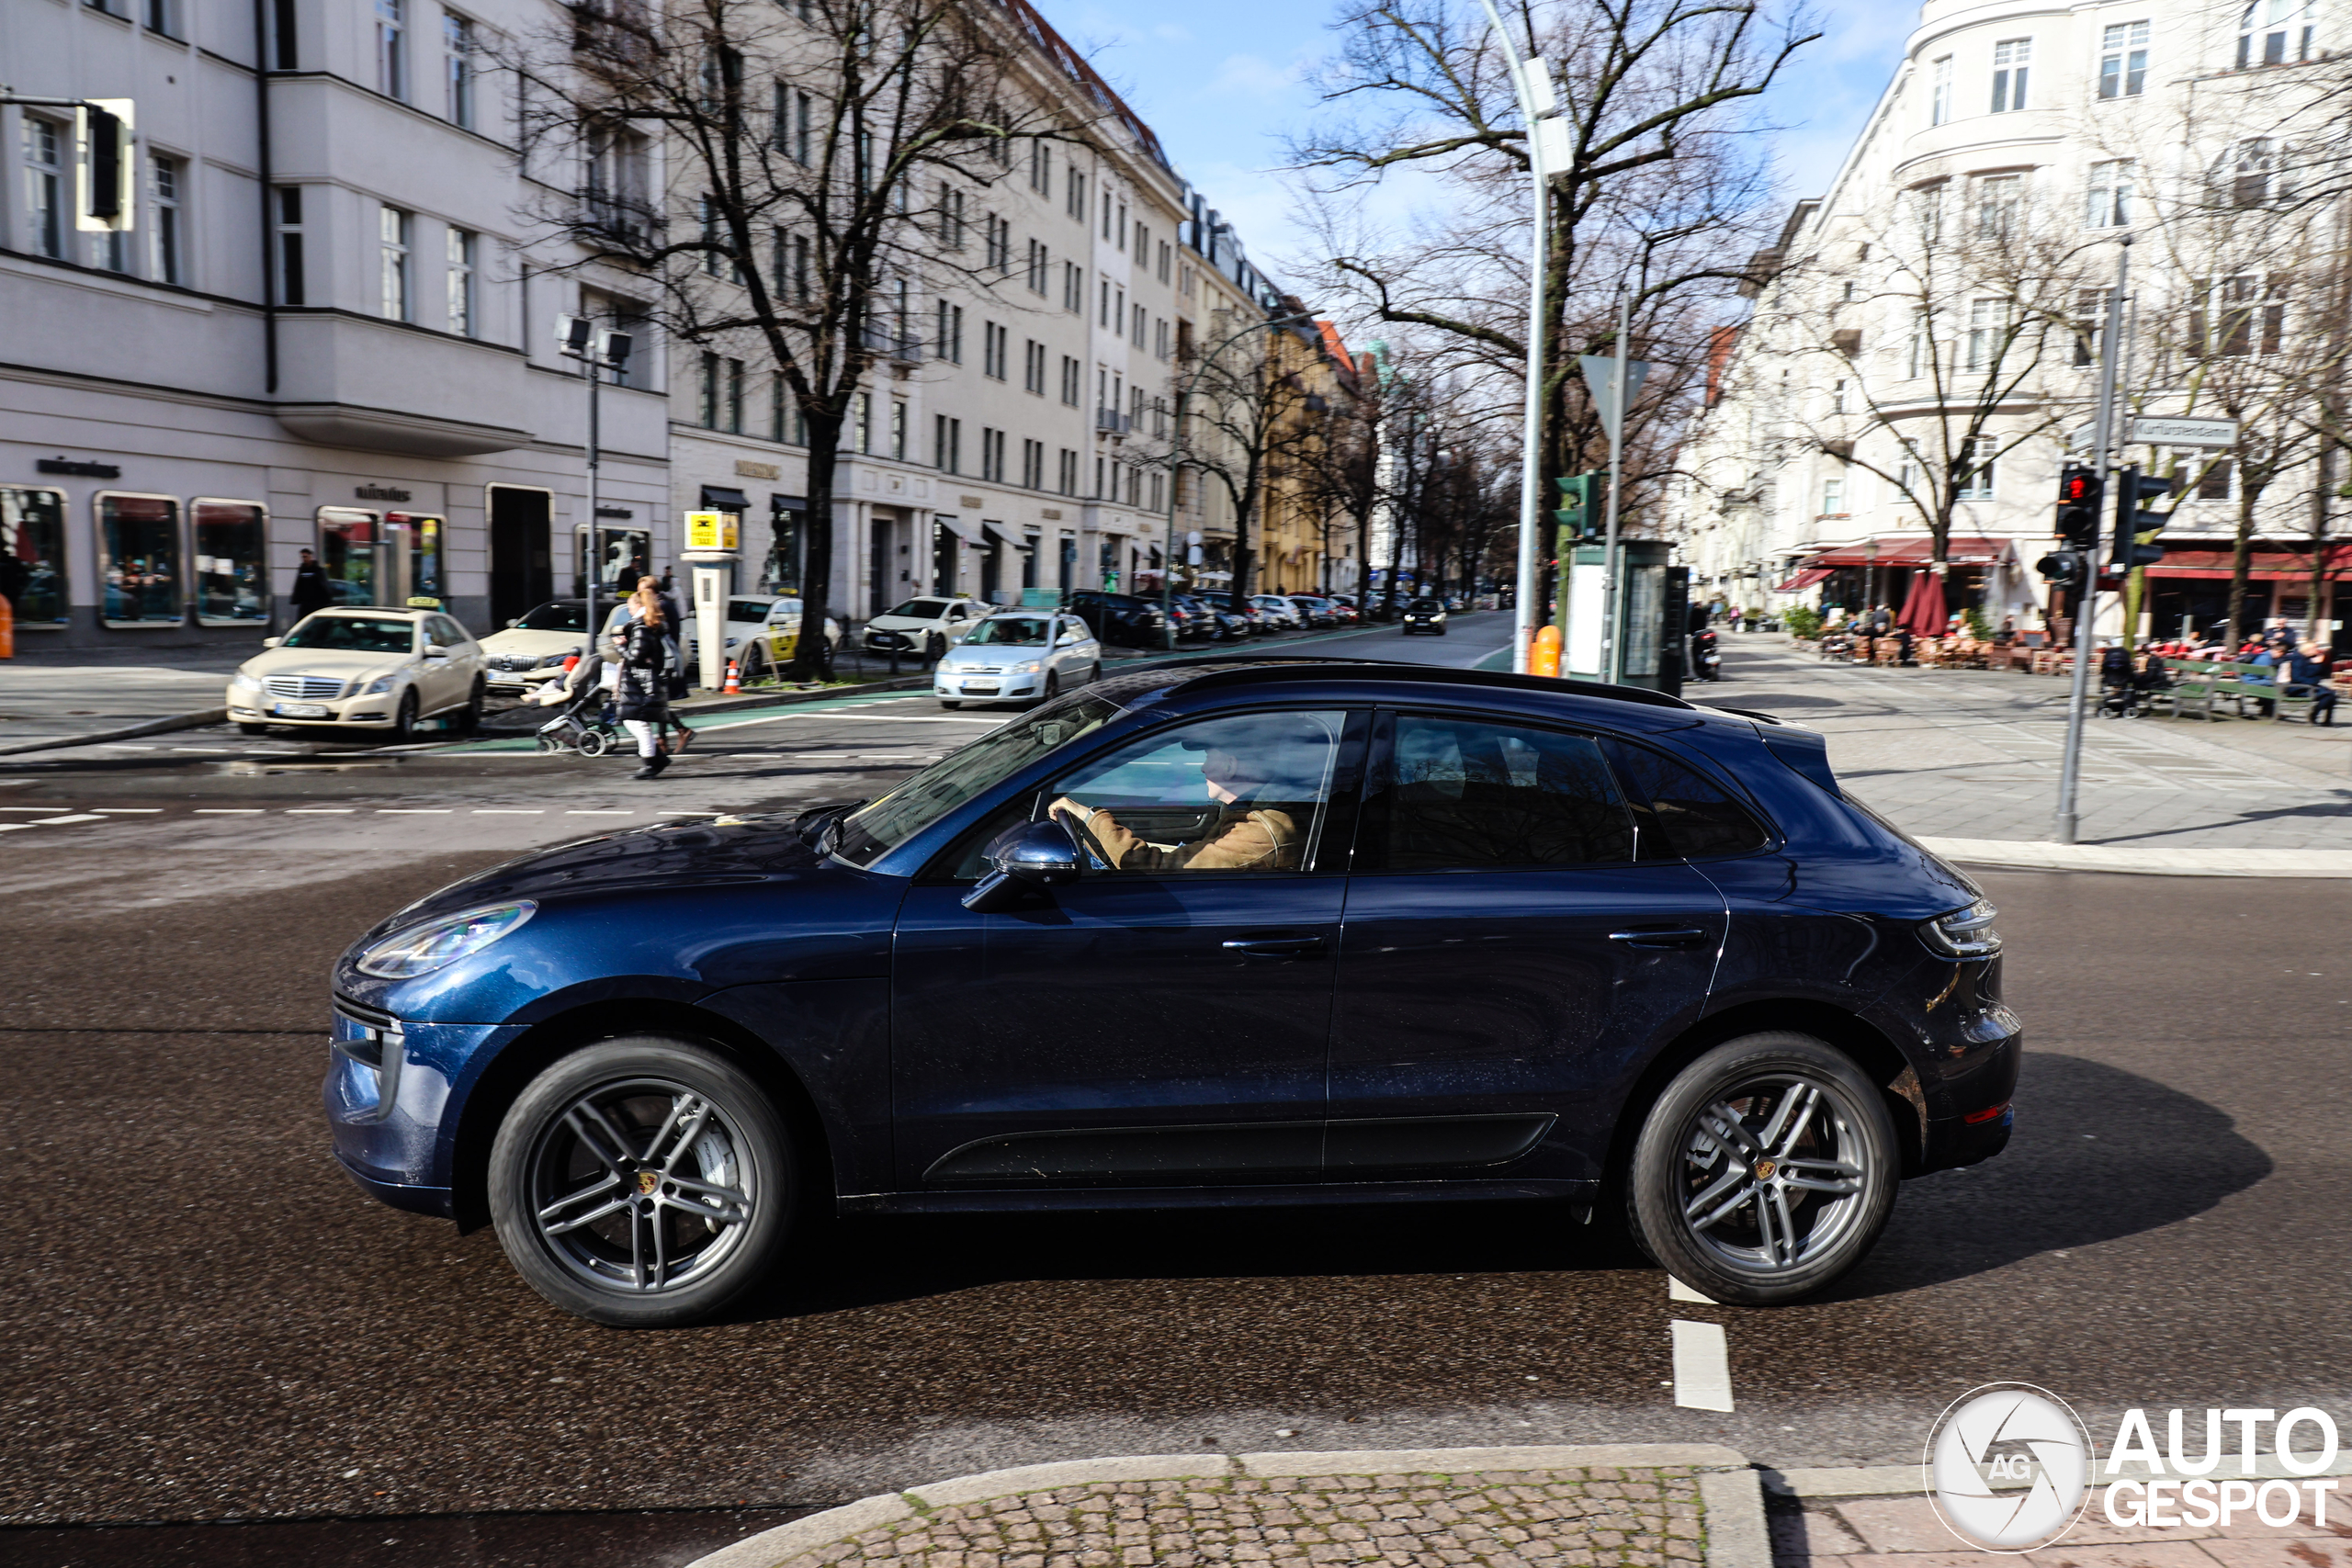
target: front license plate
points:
(302, 710)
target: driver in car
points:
(1259, 774)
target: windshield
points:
(1023, 631)
(747, 609)
(922, 609)
(354, 633)
(960, 776)
(558, 617)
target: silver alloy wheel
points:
(640, 1185)
(1774, 1174)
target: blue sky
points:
(1222, 81)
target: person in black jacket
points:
(312, 590)
(644, 689)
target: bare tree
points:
(783, 181)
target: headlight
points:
(1964, 933)
(422, 949)
(241, 681)
(383, 683)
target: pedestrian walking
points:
(646, 662)
(312, 590)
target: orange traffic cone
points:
(734, 686)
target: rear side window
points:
(1695, 817)
(1464, 794)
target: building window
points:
(992, 455)
(996, 350)
(1996, 206)
(1032, 465)
(1940, 97)
(44, 185)
(1033, 367)
(458, 46)
(393, 228)
(947, 443)
(1065, 478)
(289, 245)
(1977, 462)
(391, 48)
(2123, 59)
(462, 247)
(2010, 58)
(164, 178)
(2107, 202)
(951, 332)
(1988, 321)
(1072, 376)
(2273, 32)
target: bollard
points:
(1543, 656)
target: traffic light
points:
(2130, 522)
(2079, 489)
(1584, 506)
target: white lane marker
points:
(53, 821)
(1676, 1290)
(1702, 1366)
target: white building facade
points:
(1938, 313)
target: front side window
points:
(1243, 793)
(138, 549)
(32, 555)
(2010, 59)
(2123, 59)
(231, 570)
(1470, 795)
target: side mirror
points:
(1030, 854)
(271, 642)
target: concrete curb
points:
(2014, 854)
(153, 726)
(1736, 1536)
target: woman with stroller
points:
(643, 693)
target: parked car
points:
(1423, 614)
(1128, 620)
(1280, 614)
(1231, 604)
(382, 669)
(1018, 656)
(1600, 945)
(530, 651)
(918, 624)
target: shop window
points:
(139, 559)
(33, 556)
(347, 550)
(230, 541)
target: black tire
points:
(709, 1217)
(244, 729)
(404, 718)
(1810, 1237)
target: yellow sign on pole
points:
(711, 531)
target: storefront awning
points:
(2262, 566)
(1803, 580)
(725, 498)
(1915, 549)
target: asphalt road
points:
(209, 1323)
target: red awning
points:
(1803, 580)
(1915, 549)
(2262, 566)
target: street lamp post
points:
(1176, 468)
(597, 349)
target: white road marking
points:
(1676, 1290)
(1702, 1366)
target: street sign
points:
(711, 531)
(2185, 432)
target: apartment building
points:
(1931, 337)
(323, 329)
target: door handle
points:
(1658, 937)
(1277, 946)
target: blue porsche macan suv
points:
(1433, 934)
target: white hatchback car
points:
(383, 669)
(1018, 656)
